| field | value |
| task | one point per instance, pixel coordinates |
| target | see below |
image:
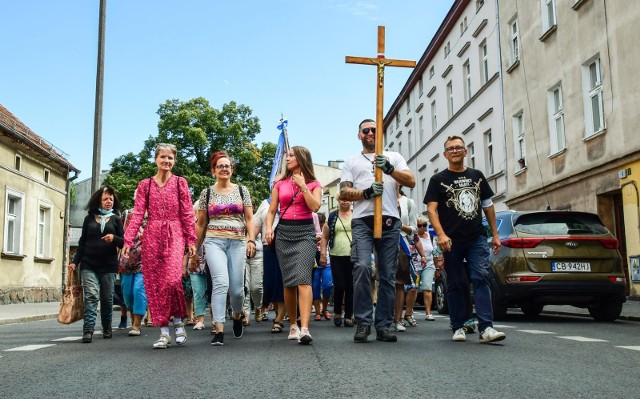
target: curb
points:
(28, 319)
(559, 312)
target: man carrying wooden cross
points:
(358, 185)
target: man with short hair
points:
(358, 185)
(454, 198)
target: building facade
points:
(455, 89)
(35, 180)
(571, 109)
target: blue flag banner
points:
(283, 124)
(278, 158)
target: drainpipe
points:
(67, 206)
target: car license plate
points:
(570, 267)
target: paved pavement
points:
(23, 312)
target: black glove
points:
(373, 191)
(383, 163)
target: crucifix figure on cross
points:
(380, 62)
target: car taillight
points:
(522, 279)
(615, 279)
(609, 243)
(521, 242)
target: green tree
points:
(198, 130)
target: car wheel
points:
(532, 309)
(606, 311)
(441, 297)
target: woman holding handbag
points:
(97, 255)
(300, 193)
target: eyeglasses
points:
(457, 148)
(222, 167)
(422, 225)
(366, 130)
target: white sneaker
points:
(491, 335)
(397, 326)
(294, 332)
(459, 335)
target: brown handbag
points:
(72, 306)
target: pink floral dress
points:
(170, 229)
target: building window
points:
(515, 41)
(479, 4)
(18, 162)
(593, 97)
(421, 130)
(556, 119)
(46, 176)
(400, 147)
(434, 120)
(420, 87)
(13, 221)
(408, 104)
(463, 26)
(466, 68)
(423, 184)
(450, 99)
(397, 120)
(488, 142)
(432, 71)
(409, 138)
(471, 155)
(548, 9)
(484, 63)
(519, 149)
(43, 240)
(447, 49)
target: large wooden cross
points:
(381, 62)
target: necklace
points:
(373, 168)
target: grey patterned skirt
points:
(296, 250)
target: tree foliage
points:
(198, 130)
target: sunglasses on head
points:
(366, 130)
(422, 225)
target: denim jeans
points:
(322, 283)
(97, 287)
(135, 297)
(386, 248)
(476, 252)
(199, 287)
(226, 258)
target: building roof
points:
(18, 132)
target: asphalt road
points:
(551, 357)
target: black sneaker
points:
(237, 328)
(362, 333)
(87, 336)
(218, 339)
(386, 336)
(107, 333)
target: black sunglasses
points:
(422, 225)
(366, 130)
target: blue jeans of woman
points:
(199, 287)
(98, 287)
(322, 283)
(476, 253)
(226, 258)
(135, 297)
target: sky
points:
(276, 57)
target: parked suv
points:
(554, 258)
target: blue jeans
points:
(322, 283)
(386, 248)
(97, 287)
(199, 287)
(135, 297)
(226, 258)
(476, 252)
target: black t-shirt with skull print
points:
(459, 196)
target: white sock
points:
(177, 320)
(164, 330)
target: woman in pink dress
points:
(169, 232)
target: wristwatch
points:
(305, 190)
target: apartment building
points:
(571, 109)
(35, 179)
(455, 89)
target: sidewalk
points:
(23, 312)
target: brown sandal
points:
(277, 327)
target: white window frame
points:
(471, 155)
(479, 4)
(447, 49)
(13, 222)
(43, 231)
(488, 142)
(421, 129)
(410, 143)
(555, 107)
(434, 118)
(466, 70)
(484, 63)
(548, 14)
(450, 99)
(593, 97)
(420, 87)
(400, 147)
(463, 26)
(432, 71)
(409, 104)
(423, 183)
(519, 147)
(514, 44)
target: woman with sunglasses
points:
(426, 275)
(298, 195)
(225, 224)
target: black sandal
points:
(348, 322)
(277, 327)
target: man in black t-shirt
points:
(454, 198)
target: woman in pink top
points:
(170, 231)
(297, 195)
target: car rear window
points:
(559, 223)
